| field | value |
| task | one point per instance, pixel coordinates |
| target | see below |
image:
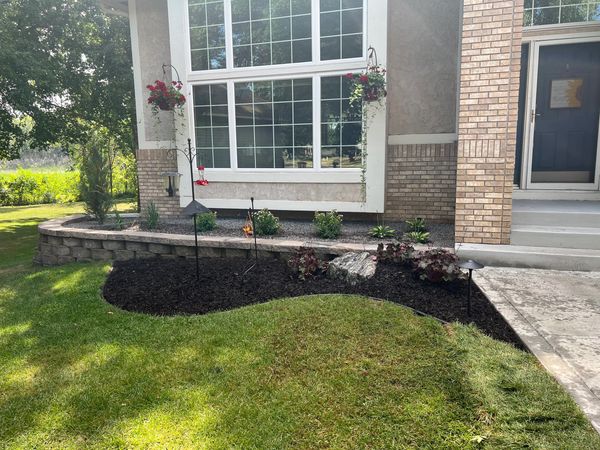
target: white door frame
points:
(530, 104)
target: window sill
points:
(324, 176)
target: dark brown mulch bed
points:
(169, 287)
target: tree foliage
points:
(67, 66)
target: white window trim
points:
(374, 34)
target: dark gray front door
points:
(565, 141)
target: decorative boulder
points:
(352, 267)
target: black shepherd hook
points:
(164, 69)
(255, 241)
(372, 57)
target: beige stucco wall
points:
(154, 51)
(313, 192)
(423, 66)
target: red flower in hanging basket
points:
(369, 86)
(166, 97)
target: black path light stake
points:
(254, 236)
(470, 265)
(195, 207)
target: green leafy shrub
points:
(306, 264)
(206, 221)
(151, 216)
(419, 237)
(437, 265)
(95, 180)
(25, 187)
(382, 232)
(265, 223)
(400, 253)
(328, 224)
(417, 224)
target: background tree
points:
(67, 66)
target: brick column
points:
(152, 164)
(488, 107)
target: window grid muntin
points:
(532, 7)
(203, 150)
(221, 35)
(293, 125)
(343, 6)
(251, 45)
(342, 99)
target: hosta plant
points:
(419, 237)
(437, 265)
(306, 264)
(382, 232)
(417, 224)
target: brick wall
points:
(152, 164)
(421, 182)
(488, 107)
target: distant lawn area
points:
(18, 228)
(316, 372)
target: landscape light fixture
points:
(171, 183)
(470, 265)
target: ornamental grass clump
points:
(152, 216)
(328, 224)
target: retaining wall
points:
(59, 244)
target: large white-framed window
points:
(268, 86)
(555, 12)
(330, 158)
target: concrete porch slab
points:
(586, 260)
(557, 315)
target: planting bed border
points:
(59, 244)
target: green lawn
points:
(18, 228)
(316, 372)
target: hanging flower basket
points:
(201, 181)
(369, 86)
(165, 97)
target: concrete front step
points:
(557, 213)
(558, 237)
(531, 257)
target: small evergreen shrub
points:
(151, 216)
(206, 221)
(382, 232)
(306, 264)
(417, 224)
(400, 253)
(437, 265)
(328, 224)
(265, 223)
(95, 180)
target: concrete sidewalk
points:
(557, 315)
